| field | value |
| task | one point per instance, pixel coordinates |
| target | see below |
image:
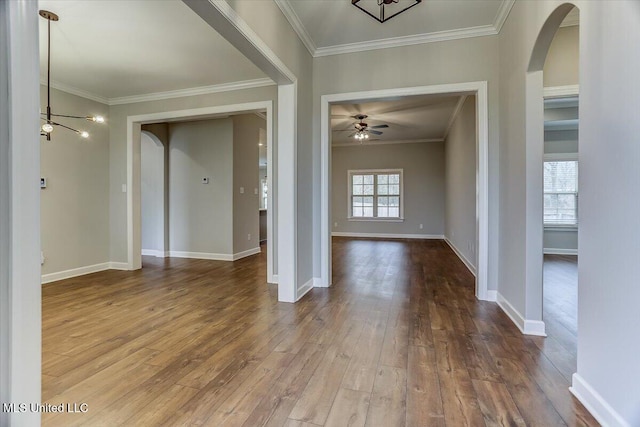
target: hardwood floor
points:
(398, 340)
(560, 311)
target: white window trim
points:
(566, 157)
(351, 172)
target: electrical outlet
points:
(335, 224)
(421, 226)
(241, 190)
(248, 236)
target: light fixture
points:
(361, 135)
(49, 124)
(383, 10)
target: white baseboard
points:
(155, 253)
(302, 290)
(464, 260)
(593, 401)
(201, 255)
(118, 266)
(527, 327)
(560, 251)
(75, 272)
(318, 283)
(246, 253)
(492, 296)
(387, 236)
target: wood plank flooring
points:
(398, 340)
(560, 311)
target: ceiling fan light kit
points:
(383, 10)
(49, 125)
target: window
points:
(375, 194)
(561, 192)
(264, 193)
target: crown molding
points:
(462, 33)
(455, 113)
(297, 25)
(75, 91)
(202, 90)
(503, 13)
(157, 96)
(439, 36)
(394, 142)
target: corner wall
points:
(460, 203)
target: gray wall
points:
(75, 205)
(609, 156)
(455, 61)
(561, 66)
(460, 201)
(152, 179)
(246, 206)
(201, 215)
(423, 175)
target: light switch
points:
(241, 190)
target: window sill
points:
(375, 219)
(560, 227)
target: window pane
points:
(383, 201)
(357, 201)
(561, 187)
(394, 179)
(357, 211)
(368, 179)
(368, 212)
(357, 190)
(394, 212)
(383, 189)
(367, 201)
(394, 189)
(383, 179)
(394, 201)
(368, 190)
(383, 212)
(357, 179)
(560, 176)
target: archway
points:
(534, 127)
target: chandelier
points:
(49, 125)
(361, 135)
(383, 10)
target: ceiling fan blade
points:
(375, 132)
(378, 126)
(341, 116)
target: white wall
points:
(75, 205)
(460, 206)
(423, 176)
(201, 215)
(608, 372)
(246, 206)
(466, 60)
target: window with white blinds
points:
(561, 192)
(375, 194)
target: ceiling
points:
(114, 48)
(431, 20)
(410, 119)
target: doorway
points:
(479, 89)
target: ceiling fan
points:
(362, 129)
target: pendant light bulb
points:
(84, 134)
(47, 128)
(97, 119)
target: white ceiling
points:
(336, 26)
(410, 119)
(115, 48)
